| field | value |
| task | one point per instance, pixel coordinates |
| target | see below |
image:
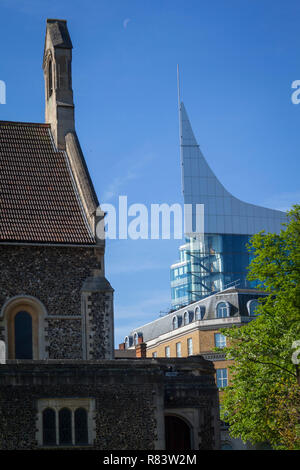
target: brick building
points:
(59, 382)
(194, 330)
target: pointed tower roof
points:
(187, 136)
(59, 33)
(223, 213)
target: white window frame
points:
(190, 346)
(178, 349)
(225, 308)
(223, 380)
(223, 340)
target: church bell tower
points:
(57, 66)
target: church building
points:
(60, 385)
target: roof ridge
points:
(33, 124)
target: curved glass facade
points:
(209, 265)
(219, 258)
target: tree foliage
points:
(262, 402)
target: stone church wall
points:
(130, 399)
(126, 401)
(56, 277)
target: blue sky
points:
(237, 58)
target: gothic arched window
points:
(81, 426)
(66, 422)
(23, 336)
(50, 78)
(49, 431)
(65, 426)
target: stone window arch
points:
(49, 71)
(50, 77)
(65, 426)
(178, 432)
(49, 427)
(66, 422)
(23, 318)
(23, 335)
(81, 426)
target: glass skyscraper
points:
(219, 258)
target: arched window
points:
(175, 322)
(126, 342)
(199, 312)
(62, 72)
(252, 306)
(49, 431)
(223, 310)
(136, 339)
(186, 318)
(65, 426)
(81, 426)
(202, 311)
(50, 78)
(23, 336)
(24, 322)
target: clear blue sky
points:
(238, 59)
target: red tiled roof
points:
(39, 201)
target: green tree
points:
(262, 402)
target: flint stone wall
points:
(126, 401)
(56, 276)
(131, 399)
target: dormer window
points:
(252, 306)
(223, 310)
(199, 313)
(175, 322)
(186, 319)
(136, 339)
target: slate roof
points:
(237, 298)
(39, 201)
